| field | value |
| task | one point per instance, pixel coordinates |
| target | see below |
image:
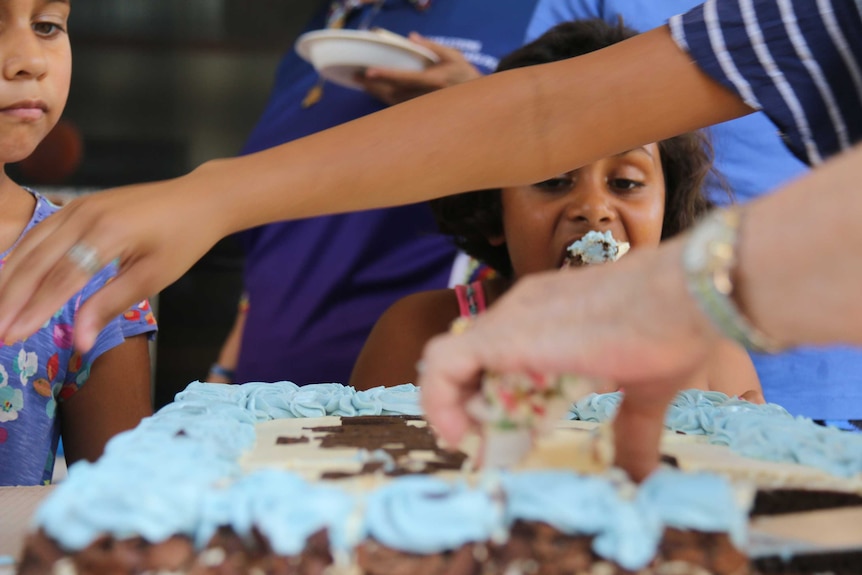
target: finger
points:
(37, 273)
(638, 428)
(449, 377)
(131, 285)
(58, 285)
(399, 78)
(445, 53)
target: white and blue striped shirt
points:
(800, 61)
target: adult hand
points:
(148, 229)
(631, 323)
(396, 86)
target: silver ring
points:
(85, 257)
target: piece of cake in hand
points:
(595, 248)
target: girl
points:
(42, 380)
(642, 196)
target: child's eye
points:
(557, 184)
(48, 28)
(624, 184)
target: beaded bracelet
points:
(709, 258)
(222, 371)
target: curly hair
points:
(472, 217)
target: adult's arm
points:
(635, 323)
(510, 128)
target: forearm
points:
(800, 264)
(514, 127)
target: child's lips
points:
(27, 110)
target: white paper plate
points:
(338, 55)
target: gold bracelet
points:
(709, 258)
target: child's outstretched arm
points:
(115, 398)
(395, 344)
(509, 128)
(731, 371)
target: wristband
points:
(221, 371)
(709, 258)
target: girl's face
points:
(36, 62)
(623, 194)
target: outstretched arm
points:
(510, 128)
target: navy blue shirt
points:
(317, 286)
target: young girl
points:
(42, 379)
(641, 196)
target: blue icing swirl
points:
(699, 501)
(286, 509)
(259, 401)
(625, 531)
(766, 432)
(154, 495)
(211, 393)
(596, 407)
(397, 400)
(795, 440)
(321, 399)
(268, 401)
(421, 514)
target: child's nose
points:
(590, 203)
(24, 56)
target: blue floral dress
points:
(45, 369)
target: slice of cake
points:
(595, 248)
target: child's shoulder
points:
(438, 306)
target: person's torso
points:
(317, 286)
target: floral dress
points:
(44, 369)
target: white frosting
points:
(597, 248)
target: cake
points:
(595, 248)
(275, 478)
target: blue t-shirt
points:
(317, 286)
(44, 369)
(750, 153)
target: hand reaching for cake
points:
(641, 330)
(512, 408)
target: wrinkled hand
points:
(396, 86)
(631, 323)
(153, 243)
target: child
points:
(42, 380)
(642, 196)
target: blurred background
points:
(158, 87)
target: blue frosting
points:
(625, 531)
(285, 400)
(766, 432)
(283, 507)
(698, 501)
(176, 473)
(421, 514)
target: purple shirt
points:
(317, 286)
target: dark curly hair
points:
(472, 217)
